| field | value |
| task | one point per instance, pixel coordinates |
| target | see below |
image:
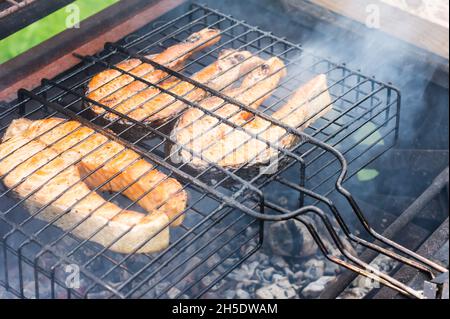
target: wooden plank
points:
(421, 32)
(55, 55)
(435, 11)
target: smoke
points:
(366, 47)
(363, 46)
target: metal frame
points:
(359, 103)
(14, 6)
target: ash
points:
(288, 266)
(361, 286)
(276, 277)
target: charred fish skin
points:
(44, 163)
(197, 132)
(238, 149)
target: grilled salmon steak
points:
(56, 165)
(153, 106)
(111, 86)
(196, 130)
(232, 148)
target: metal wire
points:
(14, 6)
(217, 227)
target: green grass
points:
(367, 174)
(47, 27)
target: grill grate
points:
(8, 7)
(225, 215)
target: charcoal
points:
(275, 291)
(314, 289)
(290, 238)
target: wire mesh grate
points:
(8, 7)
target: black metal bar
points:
(346, 278)
(430, 247)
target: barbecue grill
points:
(226, 214)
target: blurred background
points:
(431, 11)
(46, 27)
